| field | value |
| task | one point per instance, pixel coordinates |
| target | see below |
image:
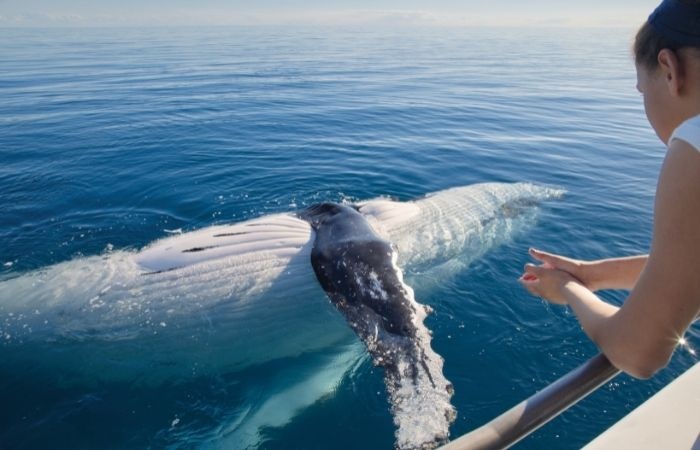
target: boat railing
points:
(526, 417)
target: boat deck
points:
(669, 420)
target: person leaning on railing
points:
(640, 336)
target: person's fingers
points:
(551, 260)
(529, 277)
(534, 270)
(542, 256)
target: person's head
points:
(667, 57)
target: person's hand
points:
(547, 282)
(581, 270)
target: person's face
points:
(657, 101)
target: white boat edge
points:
(668, 420)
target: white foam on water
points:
(420, 399)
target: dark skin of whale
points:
(355, 267)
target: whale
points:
(223, 298)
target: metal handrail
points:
(527, 416)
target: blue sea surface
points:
(110, 137)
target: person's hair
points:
(648, 43)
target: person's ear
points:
(671, 70)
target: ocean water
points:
(111, 139)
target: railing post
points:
(524, 418)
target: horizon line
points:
(385, 18)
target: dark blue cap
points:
(678, 22)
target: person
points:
(640, 336)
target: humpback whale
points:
(226, 297)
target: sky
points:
(436, 13)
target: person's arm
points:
(617, 273)
(640, 337)
(611, 273)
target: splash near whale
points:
(223, 298)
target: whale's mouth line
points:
(199, 249)
(157, 272)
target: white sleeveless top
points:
(688, 131)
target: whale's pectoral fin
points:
(418, 392)
(358, 271)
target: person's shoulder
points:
(682, 162)
(679, 181)
(681, 149)
(687, 135)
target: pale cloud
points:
(42, 19)
(459, 19)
